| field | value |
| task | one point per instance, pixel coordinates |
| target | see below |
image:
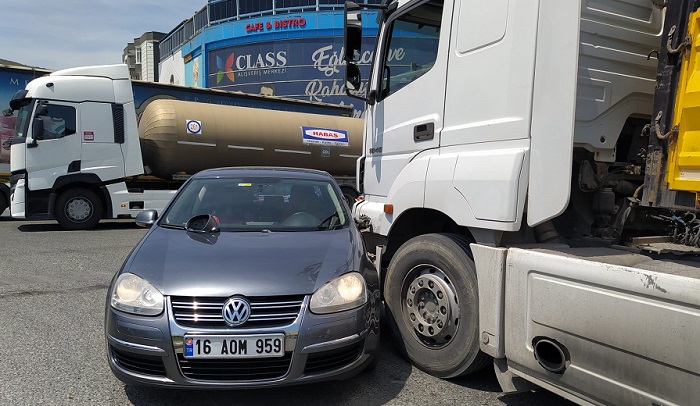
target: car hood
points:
(182, 263)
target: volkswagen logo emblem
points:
(236, 311)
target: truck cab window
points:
(59, 121)
(413, 45)
(22, 122)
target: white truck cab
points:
(67, 155)
(512, 197)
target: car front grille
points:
(234, 370)
(205, 312)
(333, 359)
(141, 364)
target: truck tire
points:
(432, 302)
(350, 194)
(78, 209)
(4, 197)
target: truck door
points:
(55, 149)
(407, 117)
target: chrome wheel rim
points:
(430, 305)
(79, 209)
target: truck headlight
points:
(342, 293)
(133, 294)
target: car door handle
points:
(424, 132)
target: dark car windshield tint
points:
(256, 204)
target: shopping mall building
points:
(289, 48)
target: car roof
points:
(264, 172)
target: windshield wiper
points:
(332, 221)
(173, 226)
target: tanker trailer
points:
(90, 168)
(181, 138)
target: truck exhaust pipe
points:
(551, 355)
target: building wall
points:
(296, 55)
(172, 69)
(149, 61)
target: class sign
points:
(325, 136)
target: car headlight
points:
(342, 293)
(133, 294)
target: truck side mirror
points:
(37, 131)
(352, 32)
(352, 45)
(352, 77)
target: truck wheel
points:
(432, 302)
(3, 203)
(78, 209)
(4, 197)
(350, 194)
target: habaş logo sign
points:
(325, 136)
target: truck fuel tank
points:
(186, 137)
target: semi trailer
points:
(530, 188)
(80, 152)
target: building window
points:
(138, 55)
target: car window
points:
(255, 204)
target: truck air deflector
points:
(554, 109)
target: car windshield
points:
(257, 204)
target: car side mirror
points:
(203, 223)
(146, 218)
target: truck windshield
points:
(22, 123)
(256, 204)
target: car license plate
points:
(238, 346)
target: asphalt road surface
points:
(53, 286)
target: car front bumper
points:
(149, 350)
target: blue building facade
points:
(290, 48)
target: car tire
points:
(78, 209)
(431, 293)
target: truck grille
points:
(234, 370)
(205, 312)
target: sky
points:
(57, 34)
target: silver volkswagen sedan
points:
(251, 277)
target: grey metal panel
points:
(615, 78)
(631, 333)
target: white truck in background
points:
(78, 154)
(530, 182)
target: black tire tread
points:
(481, 360)
(66, 223)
